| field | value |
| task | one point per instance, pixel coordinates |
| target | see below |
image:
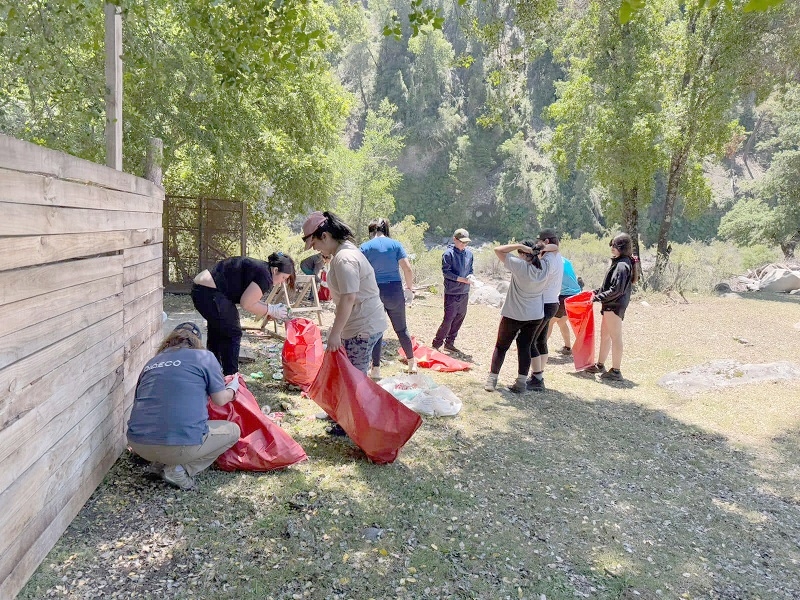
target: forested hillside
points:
(500, 116)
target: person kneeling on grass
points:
(169, 423)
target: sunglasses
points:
(305, 237)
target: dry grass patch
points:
(588, 490)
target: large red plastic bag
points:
(302, 353)
(375, 420)
(263, 445)
(581, 317)
(428, 358)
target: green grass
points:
(588, 490)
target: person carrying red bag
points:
(359, 320)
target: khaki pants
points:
(221, 436)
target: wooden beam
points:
(36, 281)
(141, 271)
(25, 251)
(32, 188)
(18, 315)
(141, 287)
(113, 64)
(140, 254)
(29, 219)
(20, 344)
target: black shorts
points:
(617, 310)
(562, 309)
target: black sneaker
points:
(612, 375)
(436, 346)
(451, 348)
(565, 351)
(595, 368)
(336, 430)
(535, 384)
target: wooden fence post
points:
(155, 158)
(113, 18)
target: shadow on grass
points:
(563, 496)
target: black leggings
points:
(224, 330)
(394, 302)
(508, 330)
(539, 344)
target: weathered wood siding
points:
(80, 312)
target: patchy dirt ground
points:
(586, 491)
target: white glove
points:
(277, 311)
(233, 384)
(408, 295)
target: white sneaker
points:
(178, 477)
(491, 383)
(375, 373)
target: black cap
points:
(189, 326)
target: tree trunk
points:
(630, 219)
(677, 166)
(788, 247)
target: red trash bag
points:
(324, 293)
(263, 445)
(428, 358)
(581, 317)
(302, 353)
(375, 420)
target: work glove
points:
(233, 384)
(279, 312)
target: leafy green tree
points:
(607, 111)
(366, 177)
(771, 212)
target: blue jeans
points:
(359, 350)
(394, 302)
(455, 309)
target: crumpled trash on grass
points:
(423, 395)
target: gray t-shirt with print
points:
(524, 296)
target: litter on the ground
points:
(423, 395)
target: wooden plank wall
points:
(80, 313)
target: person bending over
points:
(244, 281)
(169, 423)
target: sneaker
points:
(336, 430)
(323, 416)
(491, 383)
(178, 477)
(436, 346)
(411, 368)
(375, 373)
(565, 351)
(517, 388)
(535, 384)
(595, 368)
(612, 375)
(451, 348)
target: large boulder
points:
(487, 295)
(780, 280)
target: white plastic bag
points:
(422, 395)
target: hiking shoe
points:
(595, 368)
(565, 351)
(491, 383)
(518, 388)
(612, 375)
(336, 430)
(451, 348)
(535, 384)
(436, 346)
(178, 477)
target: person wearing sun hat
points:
(457, 270)
(169, 423)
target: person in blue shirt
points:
(456, 268)
(570, 285)
(169, 423)
(388, 257)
